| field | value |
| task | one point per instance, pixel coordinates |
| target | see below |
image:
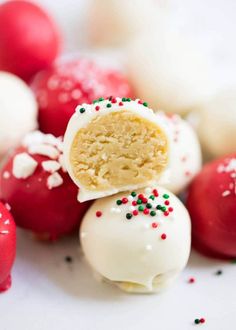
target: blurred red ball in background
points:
(7, 246)
(61, 88)
(212, 206)
(29, 39)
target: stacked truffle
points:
(137, 233)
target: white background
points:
(48, 293)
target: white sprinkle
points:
(0, 215)
(6, 175)
(8, 207)
(62, 163)
(6, 222)
(23, 166)
(130, 198)
(226, 193)
(231, 166)
(44, 150)
(148, 190)
(51, 166)
(54, 180)
(149, 247)
(76, 94)
(4, 232)
(233, 175)
(63, 97)
(115, 210)
(131, 208)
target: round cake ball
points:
(217, 124)
(7, 246)
(115, 145)
(29, 38)
(139, 241)
(186, 160)
(108, 25)
(168, 71)
(60, 89)
(18, 111)
(212, 207)
(42, 196)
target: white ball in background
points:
(167, 71)
(186, 157)
(115, 22)
(217, 124)
(18, 111)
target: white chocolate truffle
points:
(110, 25)
(18, 111)
(139, 251)
(186, 160)
(217, 125)
(168, 71)
(115, 145)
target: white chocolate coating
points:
(186, 160)
(168, 71)
(132, 254)
(79, 120)
(18, 111)
(217, 126)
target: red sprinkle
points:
(98, 214)
(97, 108)
(167, 202)
(191, 280)
(120, 104)
(166, 213)
(113, 101)
(124, 200)
(170, 209)
(154, 225)
(155, 192)
(146, 211)
(202, 320)
(163, 236)
(134, 203)
(135, 212)
(140, 196)
(144, 200)
(140, 102)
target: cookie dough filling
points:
(116, 149)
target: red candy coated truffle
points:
(61, 88)
(42, 196)
(212, 206)
(7, 246)
(29, 39)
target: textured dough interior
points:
(118, 149)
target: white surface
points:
(48, 293)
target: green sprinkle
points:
(145, 104)
(159, 207)
(118, 202)
(196, 321)
(133, 194)
(152, 197)
(153, 213)
(165, 196)
(128, 99)
(163, 208)
(82, 110)
(141, 208)
(101, 99)
(139, 201)
(128, 216)
(124, 99)
(109, 105)
(148, 205)
(95, 101)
